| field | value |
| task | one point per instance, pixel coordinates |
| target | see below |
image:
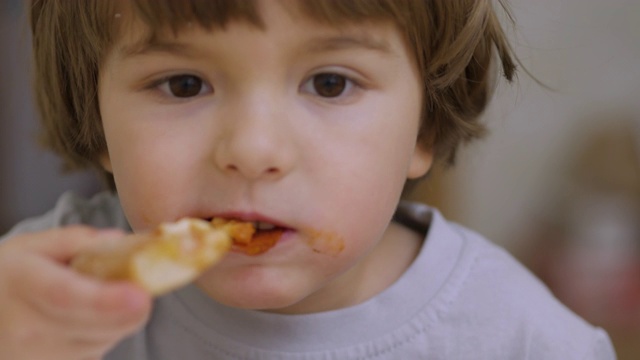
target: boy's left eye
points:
(183, 86)
(328, 85)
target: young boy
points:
(296, 114)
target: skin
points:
(270, 135)
(68, 316)
(267, 142)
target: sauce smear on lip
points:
(325, 242)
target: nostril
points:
(272, 170)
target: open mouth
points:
(250, 237)
(261, 242)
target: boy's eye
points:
(183, 86)
(329, 85)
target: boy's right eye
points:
(183, 86)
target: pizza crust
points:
(169, 257)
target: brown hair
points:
(455, 43)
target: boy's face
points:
(310, 127)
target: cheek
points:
(363, 193)
(371, 176)
(142, 197)
(153, 175)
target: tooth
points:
(264, 226)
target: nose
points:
(257, 141)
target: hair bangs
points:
(163, 15)
(337, 12)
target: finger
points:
(61, 244)
(101, 335)
(66, 296)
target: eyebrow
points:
(147, 46)
(348, 42)
(316, 45)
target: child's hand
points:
(47, 311)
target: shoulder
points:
(498, 297)
(100, 210)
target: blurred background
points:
(557, 181)
(30, 178)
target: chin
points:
(256, 293)
(276, 305)
(270, 300)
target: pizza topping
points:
(250, 238)
(261, 242)
(255, 238)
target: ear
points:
(421, 162)
(105, 161)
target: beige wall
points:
(588, 51)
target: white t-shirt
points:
(462, 298)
